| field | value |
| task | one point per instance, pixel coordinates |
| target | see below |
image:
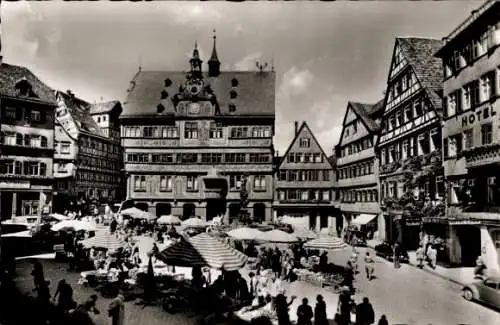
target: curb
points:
(424, 269)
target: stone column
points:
(225, 218)
(275, 215)
(127, 193)
(14, 204)
(453, 246)
(41, 203)
(332, 224)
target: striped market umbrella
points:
(245, 233)
(203, 250)
(169, 220)
(103, 239)
(326, 242)
(277, 236)
(138, 214)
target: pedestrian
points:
(432, 255)
(383, 320)
(420, 257)
(116, 310)
(38, 275)
(304, 313)
(253, 284)
(349, 276)
(365, 315)
(65, 294)
(90, 304)
(282, 307)
(369, 266)
(320, 311)
(396, 255)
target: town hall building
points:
(193, 140)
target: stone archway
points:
(142, 206)
(163, 209)
(188, 210)
(259, 212)
(234, 209)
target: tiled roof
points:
(11, 74)
(102, 108)
(256, 92)
(368, 113)
(429, 69)
(79, 110)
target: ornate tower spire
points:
(195, 62)
(214, 63)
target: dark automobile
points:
(385, 250)
(487, 291)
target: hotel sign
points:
(15, 185)
(478, 116)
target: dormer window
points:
(232, 108)
(168, 82)
(234, 82)
(160, 108)
(164, 94)
(233, 94)
(23, 87)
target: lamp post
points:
(243, 213)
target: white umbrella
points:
(74, 224)
(59, 217)
(277, 236)
(305, 233)
(326, 242)
(194, 222)
(137, 214)
(245, 233)
(169, 220)
(47, 256)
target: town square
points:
(250, 163)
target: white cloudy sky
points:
(324, 53)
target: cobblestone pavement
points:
(134, 314)
(410, 296)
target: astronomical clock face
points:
(194, 87)
(194, 108)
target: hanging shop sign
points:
(478, 116)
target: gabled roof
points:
(79, 111)
(10, 75)
(255, 92)
(103, 108)
(296, 136)
(428, 69)
(367, 113)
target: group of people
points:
(61, 308)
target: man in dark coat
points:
(304, 313)
(365, 315)
(320, 317)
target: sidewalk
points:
(459, 275)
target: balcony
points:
(481, 156)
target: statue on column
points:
(244, 216)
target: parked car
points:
(385, 250)
(486, 291)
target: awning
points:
(363, 219)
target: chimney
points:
(296, 127)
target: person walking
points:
(365, 315)
(304, 313)
(420, 257)
(65, 294)
(116, 310)
(383, 320)
(344, 307)
(320, 312)
(38, 275)
(396, 254)
(432, 255)
(369, 266)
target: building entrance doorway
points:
(470, 244)
(6, 205)
(163, 209)
(215, 208)
(188, 211)
(312, 220)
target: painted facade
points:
(27, 143)
(409, 146)
(471, 137)
(304, 183)
(357, 168)
(190, 139)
